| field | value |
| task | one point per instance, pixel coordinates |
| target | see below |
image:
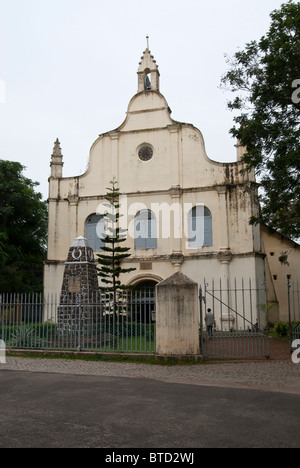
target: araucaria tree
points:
(266, 79)
(113, 253)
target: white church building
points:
(183, 211)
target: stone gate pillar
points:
(177, 317)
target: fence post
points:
(2, 352)
(201, 319)
(289, 309)
(177, 321)
(78, 306)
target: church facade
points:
(182, 211)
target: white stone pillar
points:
(115, 154)
(177, 229)
(177, 317)
(174, 144)
(224, 237)
(73, 216)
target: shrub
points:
(281, 328)
(25, 337)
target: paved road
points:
(264, 375)
(58, 403)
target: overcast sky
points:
(69, 70)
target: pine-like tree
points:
(110, 261)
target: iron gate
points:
(240, 320)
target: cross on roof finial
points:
(147, 37)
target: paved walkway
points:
(277, 376)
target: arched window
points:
(145, 235)
(95, 231)
(200, 227)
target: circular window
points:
(145, 153)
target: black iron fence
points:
(294, 311)
(122, 323)
(126, 322)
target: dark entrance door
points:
(144, 302)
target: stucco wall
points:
(179, 174)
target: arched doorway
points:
(144, 303)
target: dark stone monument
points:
(79, 309)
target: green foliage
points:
(114, 335)
(110, 261)
(3, 254)
(283, 258)
(267, 124)
(281, 328)
(25, 337)
(127, 329)
(23, 231)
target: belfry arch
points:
(148, 73)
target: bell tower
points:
(57, 161)
(148, 74)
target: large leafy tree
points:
(23, 231)
(265, 78)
